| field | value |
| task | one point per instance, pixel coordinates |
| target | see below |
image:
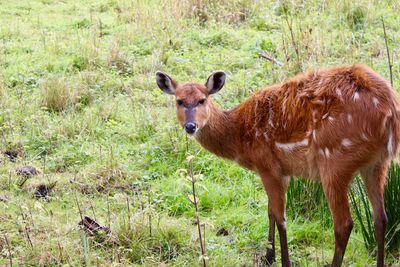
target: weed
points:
(356, 17)
(56, 94)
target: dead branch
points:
(271, 59)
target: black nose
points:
(190, 127)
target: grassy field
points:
(79, 102)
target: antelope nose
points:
(190, 127)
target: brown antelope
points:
(326, 125)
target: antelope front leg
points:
(270, 256)
(276, 190)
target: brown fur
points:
(326, 125)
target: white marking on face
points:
(376, 101)
(349, 118)
(346, 142)
(356, 96)
(196, 134)
(292, 146)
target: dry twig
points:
(387, 51)
(195, 203)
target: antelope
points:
(327, 125)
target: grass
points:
(79, 102)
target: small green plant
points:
(80, 63)
(362, 210)
(356, 18)
(306, 198)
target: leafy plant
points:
(306, 198)
(364, 215)
(392, 206)
(362, 210)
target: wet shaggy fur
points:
(325, 125)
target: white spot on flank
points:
(270, 112)
(364, 137)
(284, 104)
(270, 122)
(318, 102)
(313, 115)
(390, 144)
(292, 146)
(376, 101)
(356, 96)
(321, 152)
(325, 116)
(349, 118)
(338, 92)
(327, 152)
(331, 118)
(346, 142)
(314, 134)
(266, 137)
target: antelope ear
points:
(166, 83)
(215, 82)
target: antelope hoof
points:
(270, 257)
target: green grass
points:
(78, 100)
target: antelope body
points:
(326, 125)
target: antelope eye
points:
(202, 101)
(179, 102)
